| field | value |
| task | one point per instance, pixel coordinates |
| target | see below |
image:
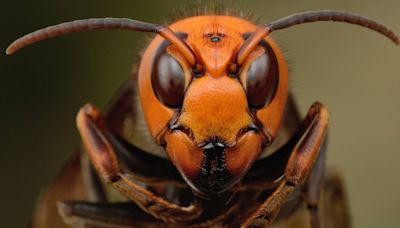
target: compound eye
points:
(168, 81)
(262, 80)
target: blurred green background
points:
(355, 72)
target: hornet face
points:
(222, 139)
(214, 119)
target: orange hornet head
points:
(214, 117)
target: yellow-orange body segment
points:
(220, 110)
(215, 57)
(215, 107)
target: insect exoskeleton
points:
(214, 123)
(214, 92)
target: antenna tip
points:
(10, 50)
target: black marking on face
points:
(215, 39)
(214, 177)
